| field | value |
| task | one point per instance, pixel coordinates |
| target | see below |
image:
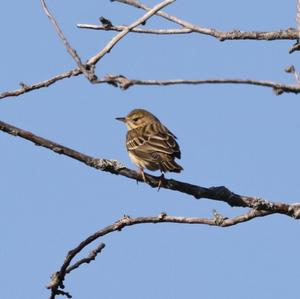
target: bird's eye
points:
(136, 119)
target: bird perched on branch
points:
(149, 143)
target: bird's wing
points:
(153, 139)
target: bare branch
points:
(88, 73)
(56, 282)
(88, 69)
(124, 83)
(58, 277)
(291, 70)
(112, 166)
(91, 257)
(222, 36)
(26, 88)
(135, 30)
(288, 34)
(93, 60)
(296, 46)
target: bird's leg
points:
(143, 175)
(162, 178)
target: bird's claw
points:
(161, 179)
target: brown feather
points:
(149, 143)
(154, 146)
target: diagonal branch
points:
(93, 60)
(69, 48)
(114, 167)
(27, 88)
(57, 279)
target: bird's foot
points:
(143, 175)
(161, 179)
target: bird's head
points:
(137, 118)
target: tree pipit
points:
(150, 144)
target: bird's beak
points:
(123, 119)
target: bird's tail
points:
(170, 165)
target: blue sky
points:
(242, 137)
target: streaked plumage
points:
(149, 143)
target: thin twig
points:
(27, 88)
(57, 279)
(222, 36)
(135, 30)
(292, 70)
(89, 74)
(91, 257)
(93, 60)
(114, 167)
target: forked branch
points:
(57, 279)
(124, 82)
(289, 34)
(88, 68)
(87, 72)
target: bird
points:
(150, 144)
